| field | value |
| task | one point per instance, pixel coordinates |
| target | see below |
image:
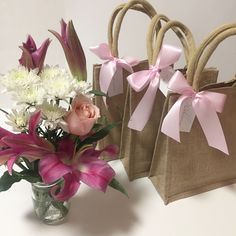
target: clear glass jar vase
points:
(46, 208)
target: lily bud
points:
(73, 50)
(33, 57)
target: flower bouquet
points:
(54, 128)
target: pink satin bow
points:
(111, 70)
(138, 81)
(205, 105)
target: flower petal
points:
(67, 146)
(95, 173)
(79, 126)
(111, 151)
(43, 143)
(34, 121)
(10, 164)
(81, 99)
(77, 52)
(5, 155)
(33, 155)
(25, 142)
(51, 168)
(63, 30)
(69, 189)
(4, 132)
(27, 49)
(39, 55)
(30, 44)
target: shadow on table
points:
(95, 213)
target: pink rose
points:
(83, 115)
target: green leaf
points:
(103, 121)
(117, 186)
(29, 176)
(7, 180)
(97, 136)
(98, 93)
(97, 127)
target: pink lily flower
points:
(75, 168)
(73, 49)
(33, 57)
(30, 145)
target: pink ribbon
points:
(111, 76)
(205, 105)
(138, 81)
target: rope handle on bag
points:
(209, 51)
(183, 33)
(201, 50)
(153, 28)
(149, 10)
(114, 16)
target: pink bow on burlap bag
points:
(112, 69)
(151, 78)
(204, 104)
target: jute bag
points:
(191, 167)
(113, 108)
(137, 146)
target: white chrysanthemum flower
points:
(19, 78)
(83, 87)
(18, 120)
(33, 95)
(52, 114)
(58, 83)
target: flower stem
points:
(41, 130)
(21, 166)
(60, 132)
(4, 111)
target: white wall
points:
(19, 18)
(91, 19)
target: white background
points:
(93, 213)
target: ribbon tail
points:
(116, 85)
(217, 99)
(143, 111)
(211, 125)
(107, 72)
(139, 80)
(171, 123)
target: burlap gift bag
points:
(137, 146)
(113, 107)
(198, 163)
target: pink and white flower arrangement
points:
(55, 125)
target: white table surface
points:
(94, 213)
(111, 214)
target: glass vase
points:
(46, 208)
